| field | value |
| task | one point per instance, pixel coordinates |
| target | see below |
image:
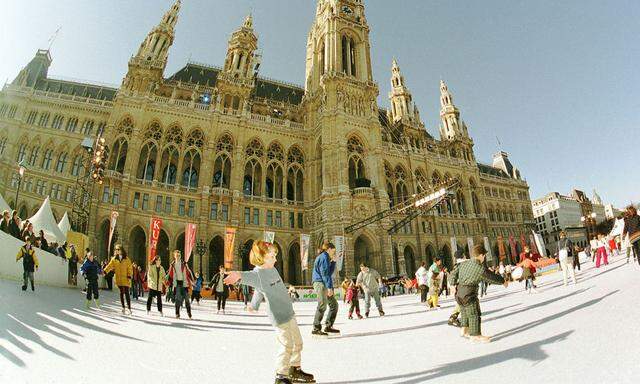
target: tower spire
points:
(156, 46)
(402, 106)
(451, 126)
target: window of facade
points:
(192, 208)
(145, 201)
(292, 220)
(115, 198)
(256, 216)
(167, 205)
(300, 220)
(105, 194)
(136, 200)
(31, 118)
(159, 200)
(213, 213)
(182, 207)
(225, 212)
(269, 218)
(279, 219)
(247, 215)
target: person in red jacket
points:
(527, 260)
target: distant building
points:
(555, 212)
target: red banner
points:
(514, 249)
(502, 253)
(112, 228)
(154, 236)
(229, 239)
(189, 240)
(523, 241)
(534, 247)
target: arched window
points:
(462, 206)
(46, 160)
(356, 153)
(402, 194)
(274, 181)
(118, 155)
(22, 152)
(147, 162)
(169, 165)
(77, 164)
(252, 178)
(62, 162)
(191, 169)
(345, 55)
(322, 58)
(222, 164)
(390, 181)
(352, 57)
(33, 158)
(421, 181)
(125, 127)
(295, 182)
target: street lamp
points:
(21, 170)
(201, 248)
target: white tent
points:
(64, 225)
(4, 205)
(44, 220)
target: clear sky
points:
(558, 82)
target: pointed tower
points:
(451, 126)
(147, 66)
(597, 200)
(402, 106)
(37, 69)
(237, 79)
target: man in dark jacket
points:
(631, 226)
(5, 222)
(14, 225)
(29, 263)
(323, 268)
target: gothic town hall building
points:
(222, 147)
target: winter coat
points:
(155, 277)
(123, 269)
(422, 276)
(214, 283)
(352, 294)
(198, 285)
(4, 226)
(631, 225)
(186, 272)
(90, 270)
(29, 258)
(14, 229)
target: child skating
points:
(90, 270)
(266, 280)
(435, 278)
(29, 263)
(353, 300)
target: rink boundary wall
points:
(53, 270)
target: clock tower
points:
(341, 110)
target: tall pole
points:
(18, 193)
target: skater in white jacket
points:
(422, 277)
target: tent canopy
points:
(44, 220)
(4, 205)
(64, 225)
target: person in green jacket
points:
(466, 279)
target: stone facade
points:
(224, 147)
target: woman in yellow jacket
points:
(123, 268)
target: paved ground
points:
(577, 334)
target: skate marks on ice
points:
(547, 319)
(531, 352)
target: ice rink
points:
(577, 334)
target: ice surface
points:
(576, 334)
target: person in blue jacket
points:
(90, 270)
(323, 268)
(197, 288)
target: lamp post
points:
(201, 248)
(21, 171)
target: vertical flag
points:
(454, 247)
(112, 228)
(532, 241)
(304, 251)
(229, 239)
(514, 249)
(501, 250)
(156, 225)
(487, 246)
(189, 240)
(269, 237)
(523, 241)
(338, 241)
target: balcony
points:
(363, 192)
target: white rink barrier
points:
(52, 271)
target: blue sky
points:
(557, 82)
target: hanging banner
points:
(542, 249)
(338, 241)
(487, 246)
(454, 247)
(269, 237)
(533, 245)
(154, 236)
(523, 241)
(502, 252)
(112, 229)
(229, 239)
(470, 245)
(514, 249)
(189, 240)
(305, 241)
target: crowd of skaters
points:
(468, 279)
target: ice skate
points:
(319, 333)
(480, 339)
(124, 311)
(331, 331)
(381, 312)
(282, 379)
(453, 321)
(297, 375)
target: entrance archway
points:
(362, 252)
(445, 253)
(279, 263)
(409, 261)
(216, 255)
(244, 254)
(138, 246)
(294, 266)
(162, 250)
(430, 254)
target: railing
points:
(363, 192)
(218, 191)
(78, 99)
